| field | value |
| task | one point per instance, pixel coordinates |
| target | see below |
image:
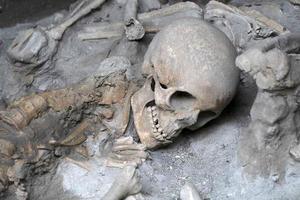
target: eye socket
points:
(163, 86)
(182, 100)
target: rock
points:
(295, 153)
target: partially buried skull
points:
(192, 77)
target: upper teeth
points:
(156, 127)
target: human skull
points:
(191, 78)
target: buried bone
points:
(152, 22)
(24, 120)
(33, 47)
(129, 183)
(272, 134)
(189, 192)
(184, 91)
(241, 25)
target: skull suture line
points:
(191, 78)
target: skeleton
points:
(35, 46)
(180, 91)
(30, 117)
(184, 91)
(275, 111)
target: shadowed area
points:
(19, 11)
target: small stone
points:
(295, 153)
(275, 177)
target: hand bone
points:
(125, 152)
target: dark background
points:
(18, 11)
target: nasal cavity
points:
(152, 85)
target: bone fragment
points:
(128, 183)
(76, 137)
(80, 11)
(83, 165)
(131, 10)
(264, 20)
(134, 30)
(36, 46)
(152, 21)
(189, 192)
(23, 111)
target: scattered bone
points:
(83, 165)
(239, 26)
(21, 112)
(76, 137)
(134, 30)
(264, 20)
(152, 21)
(127, 184)
(112, 90)
(189, 192)
(34, 47)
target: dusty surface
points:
(207, 157)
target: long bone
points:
(152, 21)
(35, 46)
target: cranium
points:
(191, 78)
